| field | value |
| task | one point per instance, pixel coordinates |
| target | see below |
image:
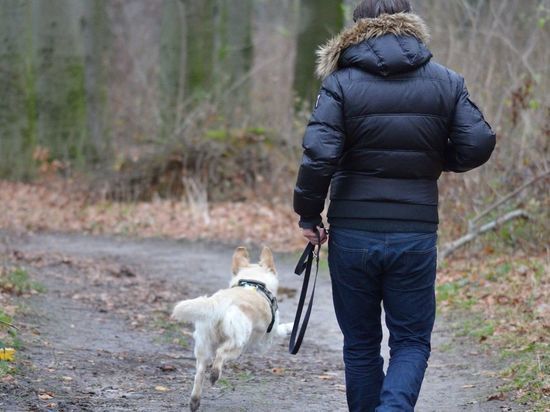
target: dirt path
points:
(99, 339)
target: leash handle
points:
(305, 263)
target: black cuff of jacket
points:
(310, 222)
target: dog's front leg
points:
(198, 384)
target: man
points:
(387, 123)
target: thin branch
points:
(9, 324)
(452, 247)
(507, 42)
(507, 198)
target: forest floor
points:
(95, 335)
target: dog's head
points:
(264, 271)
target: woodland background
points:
(184, 118)
(208, 99)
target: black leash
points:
(304, 266)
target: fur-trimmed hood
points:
(400, 24)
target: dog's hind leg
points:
(237, 329)
(198, 384)
(224, 353)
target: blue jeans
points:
(397, 269)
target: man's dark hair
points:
(374, 8)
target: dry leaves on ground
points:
(57, 206)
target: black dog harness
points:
(260, 287)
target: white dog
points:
(245, 316)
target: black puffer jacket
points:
(387, 123)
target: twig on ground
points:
(506, 198)
(474, 230)
(9, 325)
(452, 247)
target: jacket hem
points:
(384, 226)
(390, 211)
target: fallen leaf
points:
(7, 354)
(46, 396)
(325, 377)
(278, 371)
(167, 368)
(7, 379)
(497, 397)
(161, 388)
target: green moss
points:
(219, 134)
(258, 131)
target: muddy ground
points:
(99, 338)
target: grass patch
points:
(6, 368)
(8, 339)
(476, 327)
(527, 375)
(17, 281)
(245, 376)
(225, 384)
(502, 304)
(171, 332)
(445, 347)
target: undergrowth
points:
(502, 303)
(8, 339)
(13, 282)
(17, 281)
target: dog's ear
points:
(241, 259)
(266, 259)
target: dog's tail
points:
(194, 310)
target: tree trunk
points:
(319, 21)
(232, 57)
(95, 29)
(60, 80)
(172, 65)
(200, 46)
(274, 39)
(349, 7)
(18, 132)
(133, 84)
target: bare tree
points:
(95, 34)
(272, 97)
(172, 65)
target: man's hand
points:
(311, 235)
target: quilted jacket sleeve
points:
(323, 148)
(472, 140)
